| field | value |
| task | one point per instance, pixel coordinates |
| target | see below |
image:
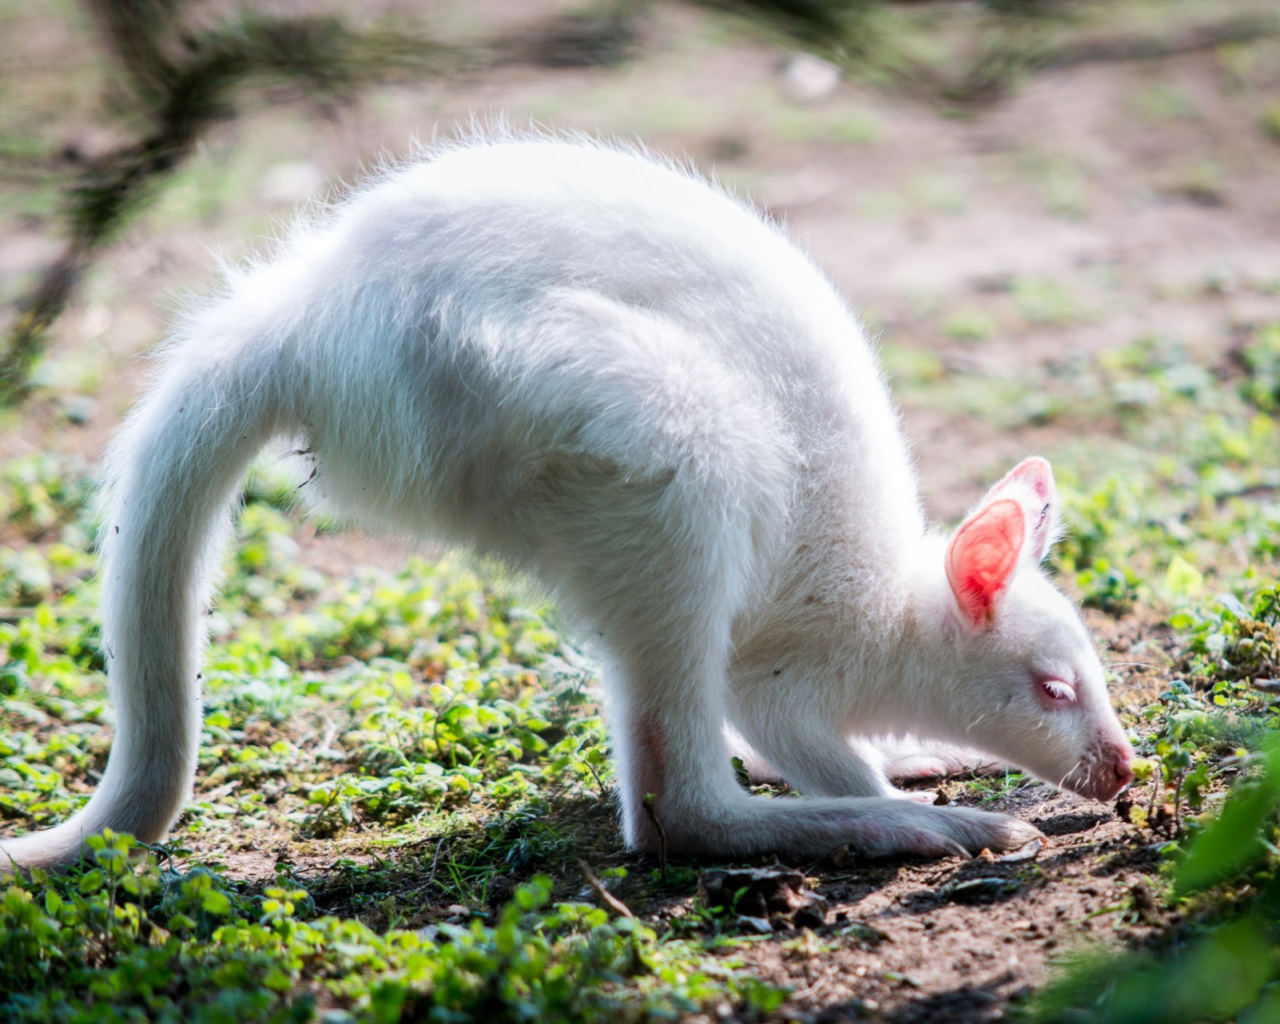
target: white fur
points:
(620, 379)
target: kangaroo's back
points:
(461, 289)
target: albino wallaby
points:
(618, 378)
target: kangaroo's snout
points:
(1122, 765)
(1105, 773)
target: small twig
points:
(435, 861)
(1241, 28)
(219, 792)
(649, 809)
(330, 734)
(1156, 786)
(606, 897)
(1256, 491)
(1191, 511)
(823, 978)
(604, 790)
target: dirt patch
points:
(955, 940)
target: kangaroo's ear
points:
(982, 556)
(1030, 483)
(1017, 521)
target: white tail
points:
(172, 473)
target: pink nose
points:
(1123, 764)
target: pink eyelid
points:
(1057, 690)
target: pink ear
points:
(1035, 473)
(1031, 483)
(982, 556)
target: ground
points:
(1070, 270)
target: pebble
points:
(808, 79)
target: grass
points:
(133, 941)
(1060, 181)
(936, 192)
(848, 126)
(1162, 101)
(1046, 301)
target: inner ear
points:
(983, 555)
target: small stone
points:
(808, 79)
(78, 409)
(844, 857)
(1027, 852)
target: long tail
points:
(171, 476)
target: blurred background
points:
(1015, 193)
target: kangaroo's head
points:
(1020, 676)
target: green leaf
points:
(1233, 841)
(276, 980)
(215, 902)
(1183, 579)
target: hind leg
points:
(673, 766)
(666, 677)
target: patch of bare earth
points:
(957, 940)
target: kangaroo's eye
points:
(1057, 691)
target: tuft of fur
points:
(595, 365)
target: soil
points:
(1172, 229)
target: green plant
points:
(1175, 752)
(969, 325)
(1046, 301)
(1270, 120)
(1226, 965)
(119, 943)
(1232, 643)
(1261, 359)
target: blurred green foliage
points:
(1224, 964)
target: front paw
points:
(913, 796)
(909, 758)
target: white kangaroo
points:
(631, 385)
